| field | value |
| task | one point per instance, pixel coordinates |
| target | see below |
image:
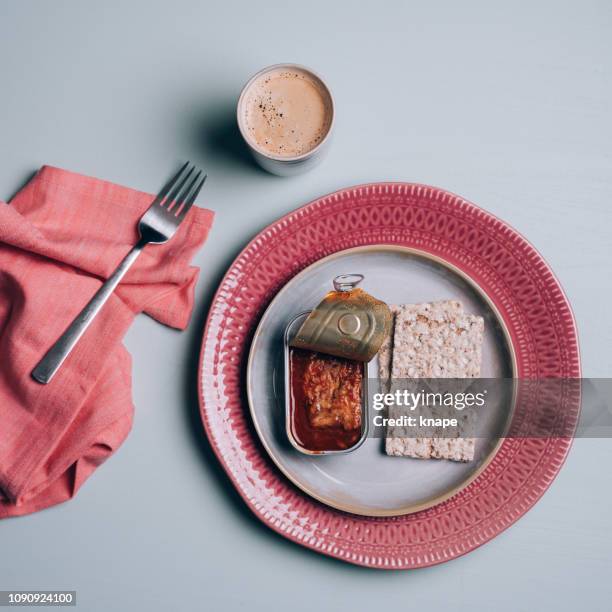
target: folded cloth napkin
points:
(60, 237)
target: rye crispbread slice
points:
(436, 340)
(432, 340)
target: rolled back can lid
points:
(348, 322)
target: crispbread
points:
(455, 449)
(417, 448)
(432, 340)
(436, 340)
(455, 444)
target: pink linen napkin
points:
(59, 238)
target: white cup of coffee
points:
(285, 115)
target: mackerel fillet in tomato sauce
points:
(326, 400)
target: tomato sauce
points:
(339, 426)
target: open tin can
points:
(303, 437)
(327, 351)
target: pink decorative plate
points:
(514, 277)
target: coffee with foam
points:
(286, 112)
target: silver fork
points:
(156, 226)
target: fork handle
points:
(55, 356)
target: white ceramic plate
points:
(366, 481)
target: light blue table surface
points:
(506, 103)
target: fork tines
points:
(179, 194)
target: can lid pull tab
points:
(346, 282)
